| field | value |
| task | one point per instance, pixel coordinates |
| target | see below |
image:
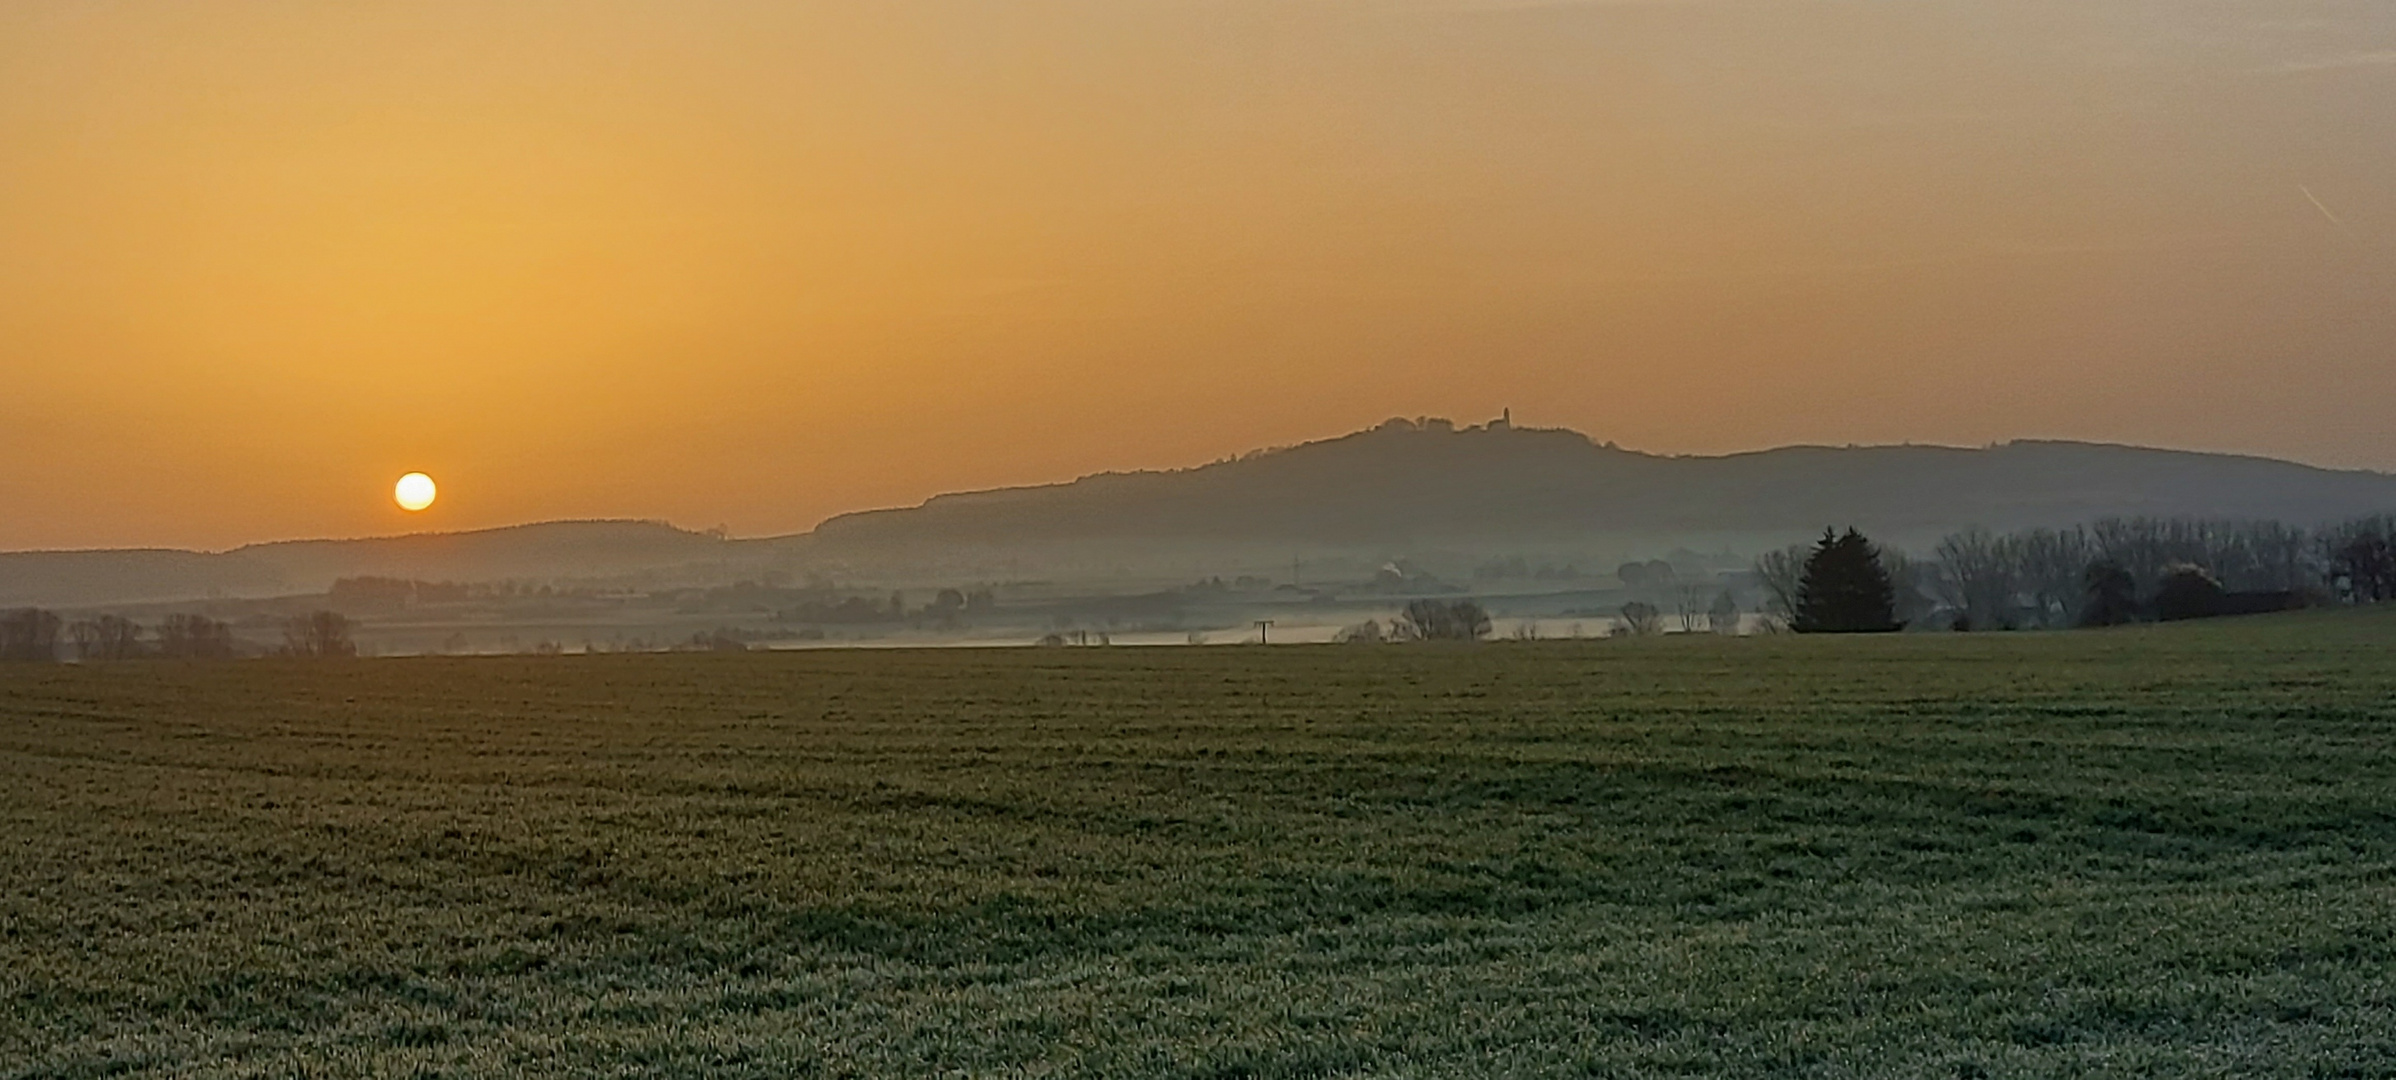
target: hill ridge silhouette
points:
(1430, 483)
(1402, 485)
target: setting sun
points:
(1738, 537)
(415, 492)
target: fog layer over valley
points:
(1552, 531)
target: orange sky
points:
(755, 263)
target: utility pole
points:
(1264, 629)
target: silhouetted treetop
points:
(1846, 589)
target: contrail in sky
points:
(2325, 212)
(2316, 201)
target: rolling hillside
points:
(539, 551)
(1409, 483)
(1401, 487)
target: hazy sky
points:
(756, 263)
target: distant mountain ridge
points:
(284, 567)
(1404, 485)
(1416, 483)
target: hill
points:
(546, 550)
(1414, 483)
(1403, 488)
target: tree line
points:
(35, 635)
(1423, 620)
(2115, 571)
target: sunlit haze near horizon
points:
(754, 264)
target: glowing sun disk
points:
(415, 492)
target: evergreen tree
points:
(2188, 592)
(1845, 589)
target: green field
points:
(2157, 851)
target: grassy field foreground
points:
(2153, 851)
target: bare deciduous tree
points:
(1976, 579)
(109, 637)
(2242, 555)
(2048, 567)
(2039, 577)
(83, 635)
(1915, 586)
(322, 635)
(1440, 620)
(194, 637)
(2360, 560)
(29, 635)
(1779, 572)
(1688, 605)
(1723, 617)
(2112, 598)
(1367, 632)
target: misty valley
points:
(1546, 533)
(1197, 539)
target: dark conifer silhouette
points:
(1846, 589)
(2189, 592)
